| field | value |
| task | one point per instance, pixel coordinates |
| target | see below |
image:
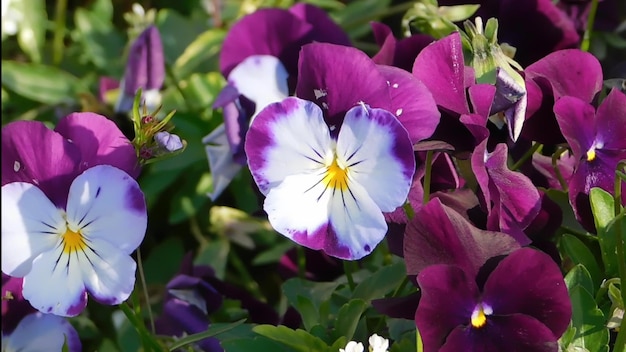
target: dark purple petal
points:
(13, 310)
(411, 103)
(337, 78)
(439, 235)
(180, 318)
(399, 53)
(325, 30)
(482, 98)
(398, 307)
(543, 164)
(100, 142)
(570, 72)
(33, 153)
(540, 124)
(571, 114)
(441, 67)
(511, 333)
(449, 295)
(538, 289)
(611, 121)
(146, 63)
(275, 32)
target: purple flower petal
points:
(441, 67)
(13, 310)
(399, 53)
(336, 78)
(100, 142)
(411, 103)
(449, 295)
(324, 29)
(539, 290)
(439, 235)
(33, 153)
(168, 141)
(611, 121)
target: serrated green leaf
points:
(41, 83)
(579, 276)
(298, 340)
(348, 318)
(32, 28)
(381, 282)
(589, 321)
(581, 254)
(601, 207)
(203, 48)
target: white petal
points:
(31, 224)
(379, 155)
(287, 138)
(39, 332)
(105, 202)
(223, 167)
(108, 273)
(262, 79)
(55, 285)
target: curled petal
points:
(43, 332)
(221, 162)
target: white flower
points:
(353, 346)
(378, 344)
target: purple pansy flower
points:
(399, 53)
(459, 312)
(42, 332)
(597, 148)
(145, 69)
(260, 72)
(16, 307)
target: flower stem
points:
(427, 175)
(586, 42)
(557, 171)
(144, 287)
(59, 31)
(537, 147)
(620, 342)
(301, 262)
(347, 267)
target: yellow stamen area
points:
(479, 319)
(591, 154)
(336, 177)
(73, 241)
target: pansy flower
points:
(260, 72)
(85, 246)
(42, 332)
(597, 148)
(397, 52)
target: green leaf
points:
(200, 51)
(579, 276)
(601, 207)
(356, 16)
(589, 322)
(348, 318)
(163, 261)
(102, 44)
(213, 330)
(308, 311)
(298, 340)
(273, 254)
(580, 254)
(41, 83)
(257, 344)
(178, 31)
(32, 28)
(608, 244)
(215, 255)
(381, 282)
(317, 293)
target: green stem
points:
(555, 158)
(144, 287)
(428, 175)
(586, 42)
(301, 262)
(147, 340)
(537, 147)
(347, 267)
(620, 342)
(175, 81)
(249, 282)
(59, 32)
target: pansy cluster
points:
(457, 189)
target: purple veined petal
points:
(441, 67)
(538, 290)
(572, 113)
(146, 63)
(517, 200)
(100, 142)
(223, 167)
(513, 333)
(385, 39)
(482, 98)
(33, 153)
(287, 138)
(282, 35)
(336, 78)
(168, 141)
(324, 30)
(448, 297)
(411, 103)
(378, 155)
(511, 99)
(599, 172)
(55, 284)
(108, 272)
(260, 78)
(439, 235)
(31, 225)
(43, 332)
(611, 121)
(106, 203)
(571, 72)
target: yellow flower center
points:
(591, 154)
(73, 241)
(336, 176)
(479, 316)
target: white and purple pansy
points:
(42, 332)
(327, 190)
(85, 246)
